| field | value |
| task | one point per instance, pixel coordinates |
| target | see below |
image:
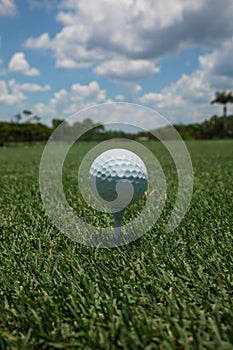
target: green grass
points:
(164, 291)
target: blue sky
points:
(60, 56)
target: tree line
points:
(13, 132)
(29, 128)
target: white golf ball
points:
(118, 178)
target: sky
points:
(58, 57)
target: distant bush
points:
(27, 132)
(13, 132)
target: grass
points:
(164, 291)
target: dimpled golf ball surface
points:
(114, 166)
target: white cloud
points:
(80, 91)
(60, 99)
(68, 47)
(140, 32)
(32, 87)
(126, 40)
(120, 98)
(7, 7)
(18, 64)
(151, 98)
(3, 87)
(13, 93)
(10, 94)
(220, 61)
(188, 99)
(92, 90)
(44, 110)
(189, 88)
(124, 69)
(42, 42)
(55, 107)
(66, 102)
(197, 89)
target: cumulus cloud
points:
(187, 99)
(18, 64)
(220, 61)
(60, 99)
(66, 102)
(35, 87)
(32, 87)
(126, 40)
(10, 94)
(42, 42)
(7, 7)
(151, 98)
(124, 69)
(139, 33)
(55, 106)
(68, 48)
(92, 90)
(13, 93)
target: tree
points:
(17, 118)
(30, 116)
(56, 122)
(223, 98)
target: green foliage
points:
(223, 97)
(24, 132)
(209, 129)
(17, 117)
(56, 123)
(164, 291)
(14, 132)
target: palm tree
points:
(223, 98)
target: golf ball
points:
(118, 177)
